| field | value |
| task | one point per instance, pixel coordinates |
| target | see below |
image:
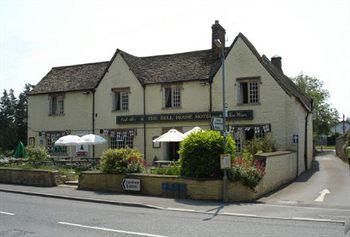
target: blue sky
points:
(311, 36)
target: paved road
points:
(329, 173)
(22, 215)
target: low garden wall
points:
(41, 178)
(340, 146)
(280, 169)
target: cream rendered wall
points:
(118, 76)
(194, 98)
(77, 114)
(241, 62)
(310, 157)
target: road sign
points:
(131, 184)
(217, 123)
(225, 161)
(295, 138)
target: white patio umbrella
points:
(193, 130)
(171, 136)
(92, 139)
(69, 140)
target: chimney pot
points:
(277, 62)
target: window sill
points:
(248, 104)
(171, 108)
(119, 111)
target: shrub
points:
(173, 169)
(259, 145)
(200, 154)
(120, 161)
(247, 172)
(37, 155)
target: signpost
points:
(217, 123)
(131, 184)
(296, 141)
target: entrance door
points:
(173, 148)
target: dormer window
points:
(56, 104)
(248, 90)
(172, 96)
(121, 99)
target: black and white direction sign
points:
(217, 123)
(131, 184)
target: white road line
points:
(304, 207)
(322, 195)
(7, 213)
(110, 230)
(179, 209)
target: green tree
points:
(325, 116)
(21, 114)
(7, 126)
(13, 118)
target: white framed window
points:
(122, 139)
(56, 104)
(248, 91)
(172, 96)
(51, 138)
(121, 99)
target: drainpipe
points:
(93, 120)
(210, 97)
(144, 122)
(305, 148)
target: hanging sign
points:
(225, 161)
(295, 138)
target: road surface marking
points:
(110, 230)
(179, 209)
(322, 195)
(7, 213)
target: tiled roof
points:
(71, 78)
(180, 67)
(188, 66)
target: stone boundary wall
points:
(280, 169)
(42, 178)
(340, 145)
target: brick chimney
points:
(218, 32)
(277, 62)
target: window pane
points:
(244, 92)
(117, 100)
(53, 105)
(60, 105)
(176, 97)
(167, 97)
(125, 100)
(253, 92)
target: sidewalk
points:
(258, 210)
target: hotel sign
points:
(235, 114)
